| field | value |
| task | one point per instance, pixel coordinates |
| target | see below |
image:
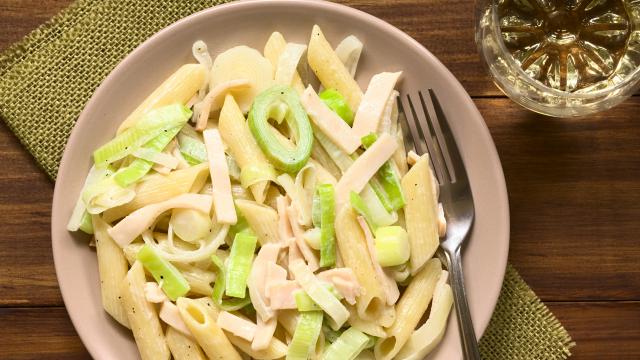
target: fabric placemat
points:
(46, 79)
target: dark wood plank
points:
(27, 276)
(39, 333)
(575, 199)
(601, 330)
(443, 27)
(19, 17)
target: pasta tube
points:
(205, 330)
(199, 280)
(353, 250)
(428, 336)
(158, 188)
(273, 49)
(276, 349)
(142, 316)
(330, 70)
(262, 219)
(420, 213)
(178, 88)
(409, 311)
(242, 146)
(183, 347)
(368, 327)
(112, 266)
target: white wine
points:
(572, 45)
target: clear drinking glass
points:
(561, 58)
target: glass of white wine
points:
(561, 58)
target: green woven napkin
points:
(46, 79)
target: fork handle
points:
(465, 325)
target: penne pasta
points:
(199, 280)
(183, 347)
(262, 219)
(368, 327)
(159, 188)
(241, 144)
(409, 311)
(323, 175)
(420, 213)
(389, 286)
(428, 336)
(320, 157)
(355, 255)
(275, 350)
(288, 63)
(180, 87)
(196, 315)
(142, 316)
(330, 70)
(130, 251)
(112, 267)
(273, 49)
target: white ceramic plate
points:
(251, 22)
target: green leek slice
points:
(280, 155)
(305, 303)
(166, 275)
(193, 150)
(239, 264)
(392, 245)
(327, 232)
(347, 346)
(219, 287)
(305, 336)
(387, 177)
(150, 126)
(140, 167)
(337, 103)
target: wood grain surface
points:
(573, 185)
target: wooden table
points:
(574, 189)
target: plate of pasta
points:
(240, 187)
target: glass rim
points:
(630, 81)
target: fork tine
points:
(421, 119)
(407, 108)
(447, 141)
(409, 143)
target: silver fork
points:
(428, 126)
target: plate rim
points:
(321, 5)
